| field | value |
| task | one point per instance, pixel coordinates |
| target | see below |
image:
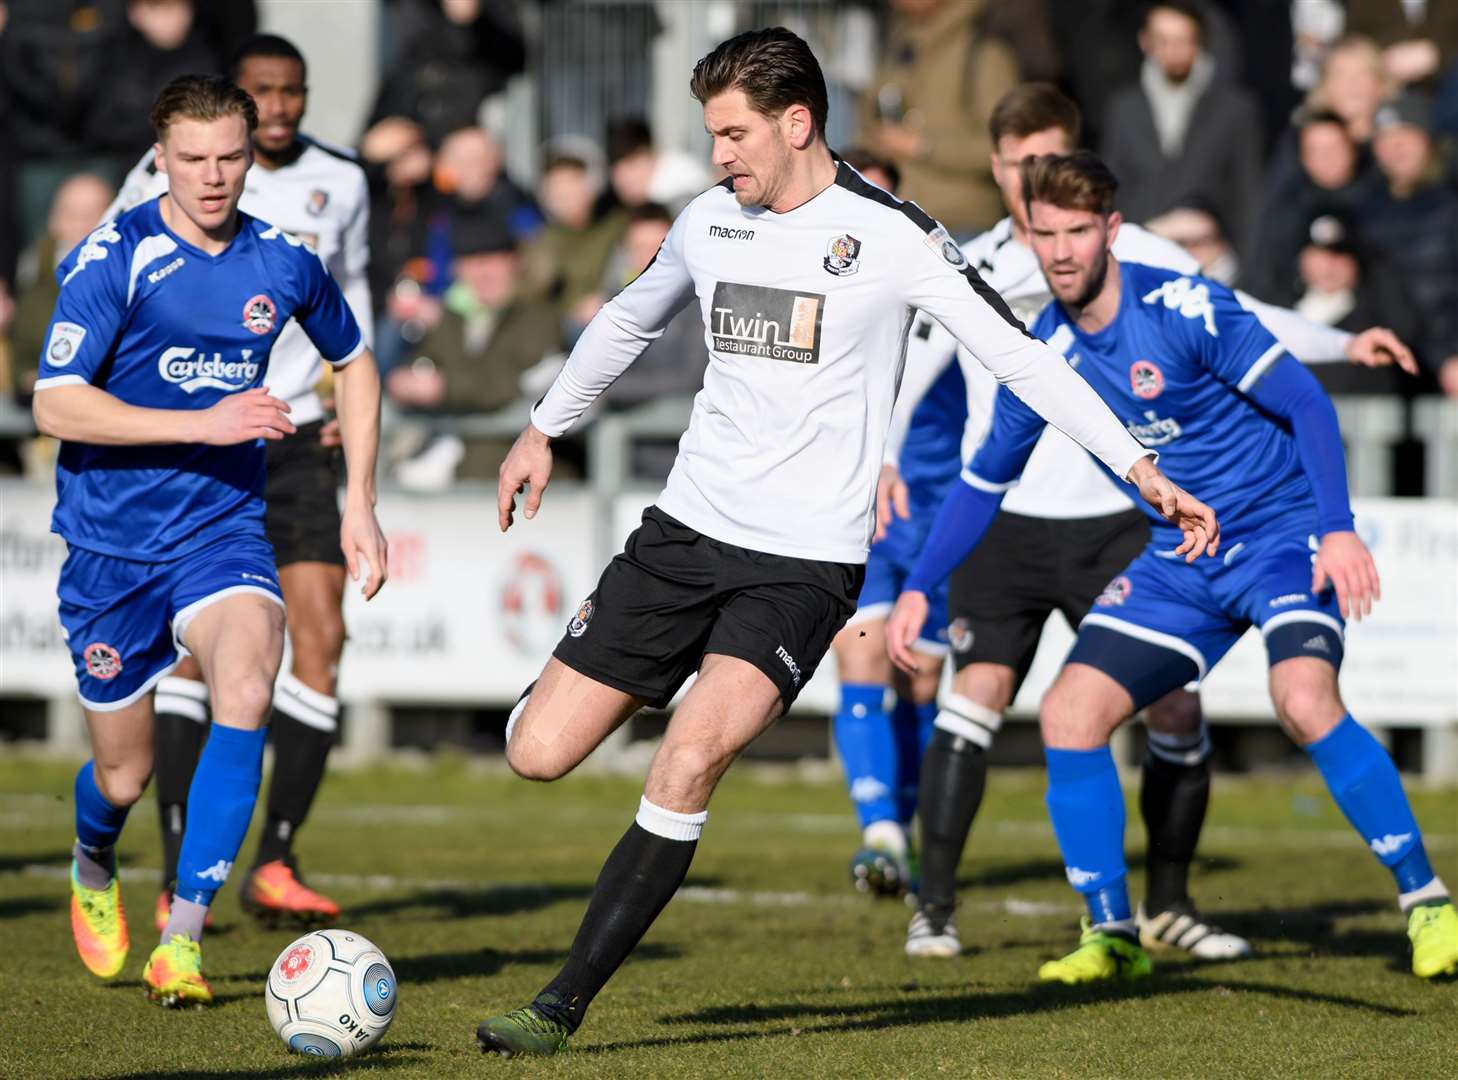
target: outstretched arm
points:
(617, 335)
(357, 401)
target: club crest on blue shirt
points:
(259, 314)
(843, 255)
(1145, 379)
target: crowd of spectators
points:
(1301, 150)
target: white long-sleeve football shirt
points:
(805, 318)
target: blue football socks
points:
(867, 748)
(912, 726)
(221, 799)
(1086, 805)
(98, 824)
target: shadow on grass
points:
(10, 863)
(999, 874)
(508, 899)
(1315, 927)
(432, 967)
(20, 907)
(389, 1055)
(456, 964)
(806, 1018)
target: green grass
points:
(768, 965)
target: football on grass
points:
(331, 993)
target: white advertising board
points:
(470, 615)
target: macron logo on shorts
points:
(789, 662)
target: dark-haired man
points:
(153, 377)
(1062, 532)
(1198, 376)
(751, 559)
(317, 193)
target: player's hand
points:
(362, 540)
(529, 466)
(245, 416)
(904, 627)
(1344, 563)
(1181, 509)
(1378, 346)
(891, 495)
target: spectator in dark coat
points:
(159, 43)
(1324, 171)
(1181, 133)
(1338, 285)
(1413, 224)
(472, 361)
(450, 55)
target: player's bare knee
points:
(1308, 704)
(989, 685)
(243, 702)
(122, 785)
(318, 644)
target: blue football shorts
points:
(887, 567)
(124, 620)
(1163, 623)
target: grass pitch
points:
(766, 964)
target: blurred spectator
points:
(567, 260)
(1413, 224)
(641, 173)
(1353, 85)
(158, 44)
(1336, 286)
(1418, 40)
(878, 170)
(76, 209)
(1319, 170)
(472, 361)
(1181, 135)
(398, 164)
(469, 172)
(672, 365)
(1197, 230)
(927, 109)
(1316, 25)
(1025, 27)
(449, 56)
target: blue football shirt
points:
(161, 324)
(1175, 365)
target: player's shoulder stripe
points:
(935, 235)
(333, 151)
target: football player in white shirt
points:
(319, 194)
(1063, 533)
(751, 560)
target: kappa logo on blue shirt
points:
(1190, 300)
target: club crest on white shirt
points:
(843, 255)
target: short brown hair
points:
(774, 68)
(202, 97)
(1076, 181)
(1033, 107)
